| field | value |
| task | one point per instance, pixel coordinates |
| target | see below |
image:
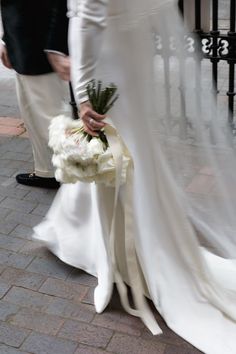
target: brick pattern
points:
(7, 310)
(5, 349)
(121, 344)
(38, 344)
(89, 350)
(22, 278)
(86, 333)
(12, 335)
(62, 289)
(37, 321)
(46, 306)
(11, 126)
(71, 310)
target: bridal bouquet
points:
(78, 156)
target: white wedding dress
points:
(193, 288)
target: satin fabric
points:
(193, 289)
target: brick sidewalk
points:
(12, 127)
(46, 306)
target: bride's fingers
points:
(95, 125)
(96, 116)
(87, 111)
(91, 126)
(90, 131)
(92, 123)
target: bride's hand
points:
(91, 119)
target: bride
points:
(176, 244)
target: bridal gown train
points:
(193, 288)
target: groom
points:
(35, 46)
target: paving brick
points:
(3, 288)
(13, 192)
(24, 135)
(22, 231)
(68, 309)
(41, 209)
(23, 145)
(4, 349)
(11, 243)
(84, 349)
(18, 145)
(19, 165)
(86, 334)
(43, 196)
(42, 344)
(22, 186)
(37, 321)
(24, 219)
(18, 156)
(1, 269)
(3, 213)
(11, 122)
(12, 259)
(22, 278)
(6, 226)
(119, 321)
(81, 277)
(9, 110)
(4, 140)
(9, 131)
(8, 182)
(1, 198)
(12, 335)
(89, 297)
(36, 248)
(7, 172)
(67, 290)
(7, 310)
(167, 337)
(51, 267)
(28, 298)
(2, 180)
(173, 349)
(16, 204)
(124, 344)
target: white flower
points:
(78, 159)
(95, 147)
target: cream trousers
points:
(40, 99)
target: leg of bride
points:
(76, 230)
(104, 199)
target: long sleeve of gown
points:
(87, 24)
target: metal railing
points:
(217, 44)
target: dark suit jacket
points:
(30, 27)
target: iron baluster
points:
(215, 45)
(198, 19)
(232, 59)
(181, 6)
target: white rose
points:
(95, 147)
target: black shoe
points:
(30, 179)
